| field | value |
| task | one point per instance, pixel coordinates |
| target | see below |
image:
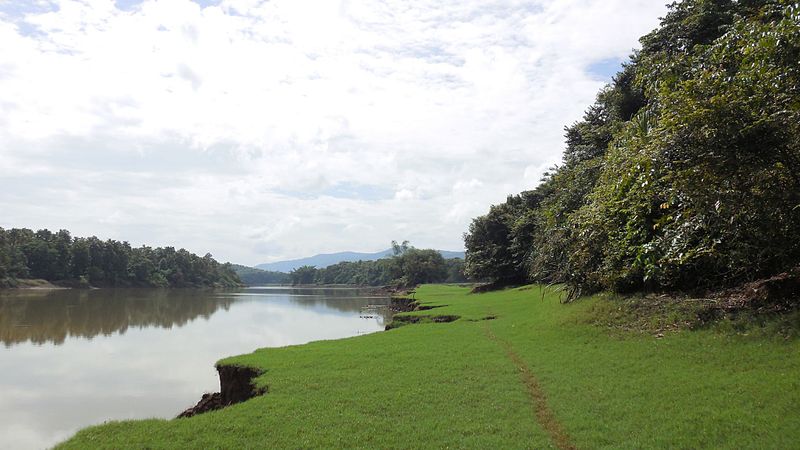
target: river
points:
(73, 358)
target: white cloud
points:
(263, 130)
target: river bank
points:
(32, 283)
(514, 369)
(138, 353)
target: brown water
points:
(73, 358)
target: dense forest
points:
(684, 175)
(408, 266)
(252, 276)
(83, 262)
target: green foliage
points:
(421, 266)
(408, 266)
(685, 173)
(82, 262)
(498, 244)
(566, 190)
(455, 271)
(303, 275)
(252, 276)
(615, 104)
(705, 194)
(399, 249)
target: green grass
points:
(437, 385)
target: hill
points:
(328, 259)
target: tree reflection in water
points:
(51, 316)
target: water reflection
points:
(75, 358)
(51, 316)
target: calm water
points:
(72, 358)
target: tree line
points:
(252, 276)
(683, 175)
(83, 262)
(408, 266)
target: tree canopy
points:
(684, 174)
(59, 257)
(252, 276)
(408, 266)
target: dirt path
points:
(544, 415)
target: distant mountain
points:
(326, 259)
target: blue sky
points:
(605, 69)
(266, 130)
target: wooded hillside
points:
(683, 175)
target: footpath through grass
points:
(536, 376)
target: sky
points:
(267, 130)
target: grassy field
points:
(538, 375)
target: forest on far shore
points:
(408, 266)
(84, 262)
(71, 261)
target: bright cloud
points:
(260, 130)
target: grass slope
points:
(537, 376)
